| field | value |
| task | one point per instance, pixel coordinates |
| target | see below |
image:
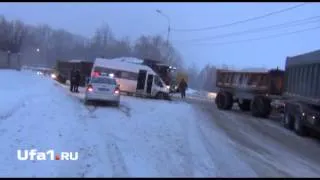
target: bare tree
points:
(5, 34)
(193, 73)
(207, 78)
(19, 34)
(44, 45)
(12, 35)
(155, 47)
(121, 48)
(101, 41)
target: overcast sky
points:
(135, 19)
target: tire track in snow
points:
(125, 109)
(113, 153)
(203, 167)
(118, 164)
(91, 110)
(16, 107)
(273, 162)
(187, 163)
(12, 111)
(242, 135)
(218, 155)
(87, 152)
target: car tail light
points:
(95, 74)
(90, 88)
(117, 90)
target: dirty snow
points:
(191, 91)
(160, 138)
(272, 152)
(141, 138)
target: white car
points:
(103, 88)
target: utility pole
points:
(9, 58)
(169, 29)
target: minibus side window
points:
(157, 81)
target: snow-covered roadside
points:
(48, 118)
(15, 91)
(197, 95)
(191, 91)
(141, 138)
(33, 113)
(160, 138)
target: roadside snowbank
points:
(160, 138)
(33, 115)
(141, 138)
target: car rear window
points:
(103, 80)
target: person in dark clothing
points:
(72, 79)
(183, 87)
(77, 81)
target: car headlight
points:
(168, 87)
(53, 76)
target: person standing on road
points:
(72, 80)
(77, 81)
(182, 88)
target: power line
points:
(260, 29)
(260, 38)
(241, 21)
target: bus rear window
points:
(102, 80)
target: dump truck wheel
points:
(261, 107)
(287, 120)
(298, 127)
(224, 100)
(229, 101)
(218, 100)
(245, 105)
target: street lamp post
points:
(19, 61)
(168, 38)
(168, 19)
(9, 58)
(168, 35)
(38, 57)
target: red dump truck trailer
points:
(251, 90)
(297, 88)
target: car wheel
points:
(160, 96)
(86, 102)
(116, 104)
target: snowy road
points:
(161, 138)
(269, 149)
(140, 138)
